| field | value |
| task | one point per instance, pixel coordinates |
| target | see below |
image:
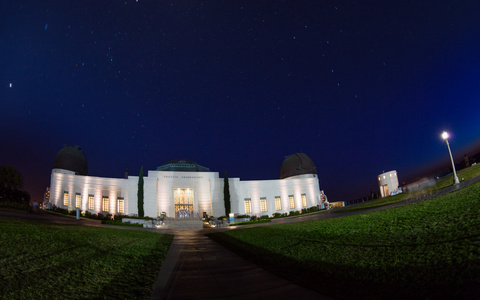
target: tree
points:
(140, 193)
(226, 195)
(10, 178)
(11, 185)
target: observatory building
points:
(183, 189)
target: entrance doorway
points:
(385, 192)
(183, 203)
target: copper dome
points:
(71, 158)
(182, 165)
(297, 164)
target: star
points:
(10, 85)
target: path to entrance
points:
(196, 267)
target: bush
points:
(264, 217)
(120, 223)
(251, 222)
(310, 209)
(242, 216)
(279, 215)
(294, 213)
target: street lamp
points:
(455, 178)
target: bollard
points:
(78, 213)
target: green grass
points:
(375, 203)
(466, 174)
(23, 206)
(429, 249)
(44, 261)
(446, 181)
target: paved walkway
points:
(196, 267)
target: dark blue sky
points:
(361, 87)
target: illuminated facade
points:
(388, 183)
(184, 189)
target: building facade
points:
(183, 189)
(388, 183)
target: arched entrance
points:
(183, 203)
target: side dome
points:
(71, 158)
(182, 165)
(297, 164)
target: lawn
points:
(465, 174)
(43, 261)
(429, 249)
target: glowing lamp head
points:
(445, 135)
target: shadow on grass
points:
(454, 281)
(76, 269)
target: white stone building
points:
(183, 189)
(388, 183)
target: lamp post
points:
(455, 178)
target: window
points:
(105, 204)
(91, 202)
(291, 201)
(65, 198)
(248, 206)
(120, 206)
(263, 204)
(278, 203)
(78, 200)
(304, 200)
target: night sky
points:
(361, 87)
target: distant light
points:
(445, 135)
(10, 85)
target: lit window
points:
(105, 204)
(78, 200)
(65, 198)
(278, 203)
(291, 201)
(91, 202)
(120, 206)
(263, 204)
(304, 200)
(248, 206)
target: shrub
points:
(242, 216)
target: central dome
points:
(182, 165)
(297, 164)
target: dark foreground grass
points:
(43, 261)
(429, 249)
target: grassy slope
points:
(42, 261)
(426, 249)
(467, 173)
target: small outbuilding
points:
(388, 183)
